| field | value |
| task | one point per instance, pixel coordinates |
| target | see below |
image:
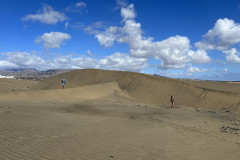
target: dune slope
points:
(153, 89)
(13, 84)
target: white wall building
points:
(12, 77)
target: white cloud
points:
(120, 61)
(131, 33)
(6, 64)
(232, 55)
(128, 12)
(81, 4)
(199, 56)
(224, 34)
(116, 61)
(69, 62)
(107, 38)
(189, 71)
(22, 59)
(173, 52)
(52, 39)
(47, 16)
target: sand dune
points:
(154, 89)
(13, 84)
(66, 95)
(118, 115)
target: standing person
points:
(172, 101)
(63, 82)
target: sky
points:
(193, 39)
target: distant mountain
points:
(20, 69)
(31, 73)
(160, 76)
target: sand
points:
(105, 115)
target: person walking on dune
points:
(172, 101)
(63, 82)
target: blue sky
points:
(197, 39)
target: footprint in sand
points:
(231, 130)
(132, 117)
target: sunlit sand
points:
(118, 115)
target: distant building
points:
(11, 77)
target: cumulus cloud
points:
(224, 34)
(107, 38)
(69, 62)
(116, 61)
(52, 39)
(47, 16)
(22, 59)
(172, 52)
(128, 12)
(232, 55)
(199, 56)
(6, 64)
(121, 61)
(131, 33)
(189, 71)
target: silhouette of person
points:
(172, 101)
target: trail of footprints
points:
(234, 129)
(6, 109)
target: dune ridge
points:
(153, 89)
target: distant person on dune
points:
(63, 82)
(172, 101)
